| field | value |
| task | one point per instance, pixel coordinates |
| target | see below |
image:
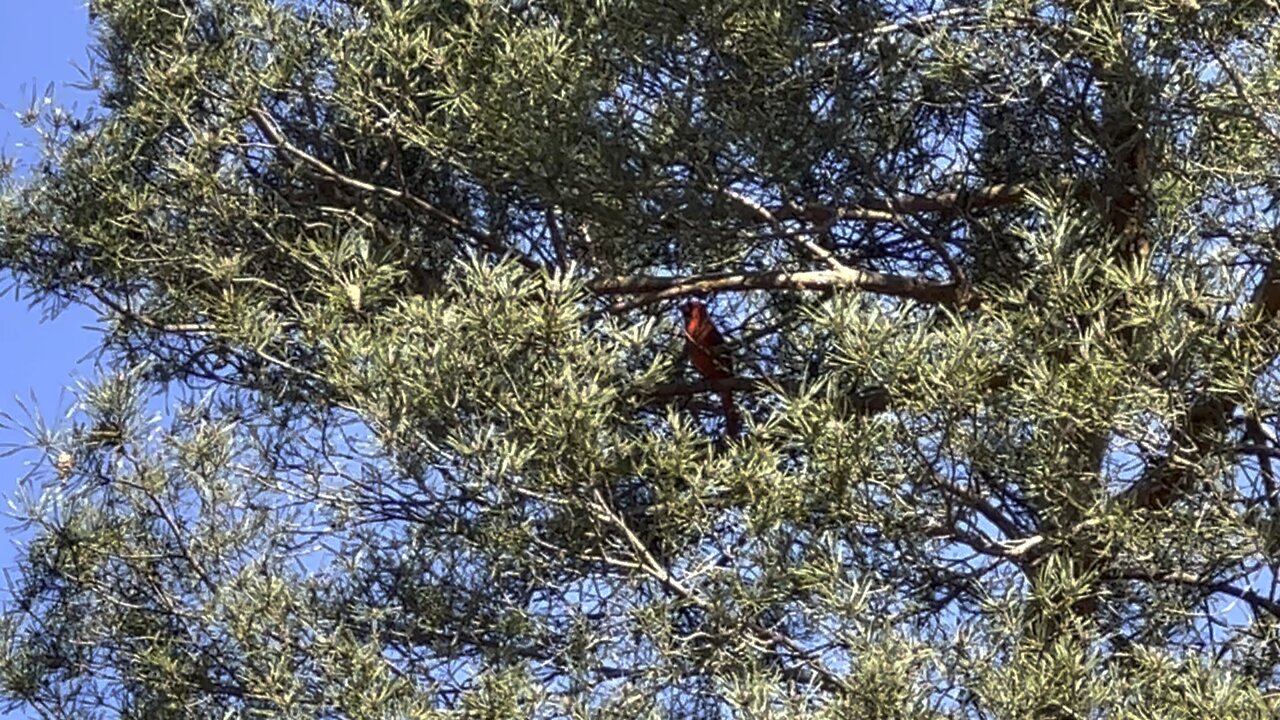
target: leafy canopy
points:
(999, 280)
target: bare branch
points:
(917, 25)
(1255, 599)
(763, 214)
(889, 209)
(655, 288)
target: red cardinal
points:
(709, 355)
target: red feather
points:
(710, 356)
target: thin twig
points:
(273, 133)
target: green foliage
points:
(1000, 285)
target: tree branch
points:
(762, 214)
(890, 209)
(661, 573)
(867, 401)
(1255, 600)
(1207, 420)
(654, 288)
(268, 127)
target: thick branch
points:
(655, 288)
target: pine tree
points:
(1000, 284)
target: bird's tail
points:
(732, 420)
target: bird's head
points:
(693, 309)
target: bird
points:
(710, 357)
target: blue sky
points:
(39, 42)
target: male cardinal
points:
(708, 353)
